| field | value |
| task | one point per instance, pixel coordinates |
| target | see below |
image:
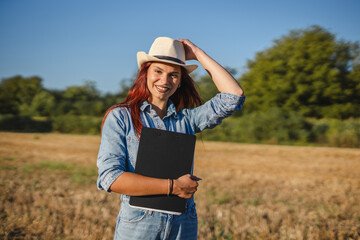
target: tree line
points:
(308, 76)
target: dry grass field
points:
(48, 190)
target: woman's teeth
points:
(162, 89)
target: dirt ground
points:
(48, 190)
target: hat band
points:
(169, 58)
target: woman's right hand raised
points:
(191, 50)
(185, 186)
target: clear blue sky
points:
(68, 42)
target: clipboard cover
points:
(163, 154)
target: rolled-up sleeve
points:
(111, 161)
(211, 113)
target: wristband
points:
(171, 186)
(168, 194)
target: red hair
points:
(185, 97)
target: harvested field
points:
(48, 190)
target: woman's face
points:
(163, 80)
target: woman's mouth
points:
(161, 89)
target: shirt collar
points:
(145, 106)
(171, 109)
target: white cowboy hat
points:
(166, 50)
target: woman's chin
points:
(163, 96)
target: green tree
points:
(206, 86)
(42, 104)
(87, 92)
(80, 100)
(17, 93)
(307, 71)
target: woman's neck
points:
(160, 107)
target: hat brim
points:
(142, 57)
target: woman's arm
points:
(133, 184)
(113, 175)
(223, 80)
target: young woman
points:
(163, 96)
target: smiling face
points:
(162, 80)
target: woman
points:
(163, 96)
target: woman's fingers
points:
(190, 49)
(185, 186)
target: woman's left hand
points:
(185, 186)
(190, 49)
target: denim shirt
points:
(119, 144)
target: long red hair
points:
(185, 97)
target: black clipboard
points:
(167, 155)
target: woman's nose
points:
(165, 78)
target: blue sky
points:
(69, 42)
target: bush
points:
(271, 126)
(344, 133)
(24, 124)
(276, 126)
(77, 124)
(62, 124)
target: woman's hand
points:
(191, 50)
(185, 186)
(223, 80)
